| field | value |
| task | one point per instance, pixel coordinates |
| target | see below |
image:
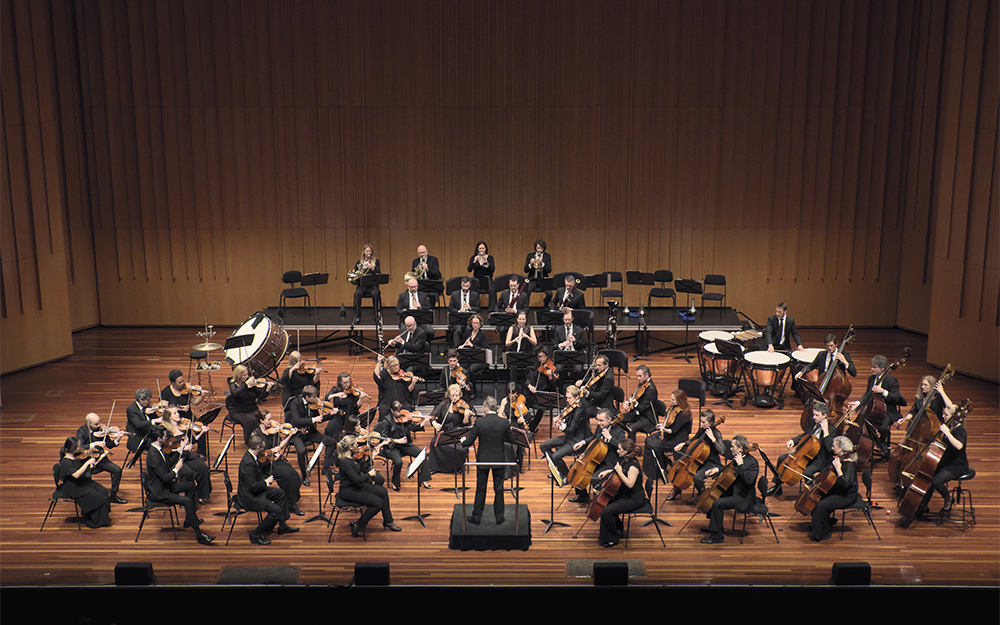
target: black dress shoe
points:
(392, 526)
(204, 501)
(204, 539)
(472, 520)
(500, 520)
(395, 487)
(295, 510)
(355, 532)
(116, 499)
(774, 491)
(610, 543)
(714, 539)
(287, 530)
(580, 499)
(305, 481)
(257, 539)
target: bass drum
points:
(267, 348)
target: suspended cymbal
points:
(206, 347)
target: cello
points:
(593, 455)
(927, 465)
(681, 474)
(722, 482)
(835, 387)
(919, 434)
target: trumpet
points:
(483, 260)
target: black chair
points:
(149, 506)
(759, 510)
(864, 505)
(559, 280)
(454, 284)
(693, 387)
(617, 360)
(663, 276)
(234, 508)
(293, 292)
(57, 496)
(613, 277)
(645, 510)
(585, 319)
(966, 515)
(503, 282)
(344, 506)
(716, 280)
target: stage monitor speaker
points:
(610, 574)
(852, 574)
(371, 574)
(134, 574)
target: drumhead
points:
(806, 355)
(713, 349)
(770, 359)
(715, 335)
(260, 333)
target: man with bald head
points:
(93, 434)
(429, 266)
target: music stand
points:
(548, 400)
(548, 318)
(691, 287)
(555, 479)
(312, 279)
(222, 457)
(599, 280)
(414, 465)
(518, 362)
(319, 495)
(639, 278)
(433, 289)
(421, 362)
(569, 357)
(468, 356)
(430, 398)
(206, 418)
(454, 438)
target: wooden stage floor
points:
(43, 405)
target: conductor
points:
(494, 431)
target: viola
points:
(405, 376)
(460, 377)
(681, 474)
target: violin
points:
(460, 377)
(405, 416)
(356, 392)
(323, 407)
(593, 380)
(157, 408)
(405, 376)
(547, 368)
(520, 407)
(173, 444)
(283, 430)
(460, 406)
(631, 402)
(193, 389)
(267, 456)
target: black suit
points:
(86, 437)
(456, 301)
(371, 291)
(166, 485)
(520, 302)
(403, 310)
(819, 364)
(433, 273)
(773, 335)
(741, 496)
(492, 431)
(138, 425)
(576, 299)
(255, 495)
(535, 277)
(301, 416)
(577, 429)
(893, 400)
(643, 417)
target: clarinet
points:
(611, 334)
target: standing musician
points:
(843, 494)
(716, 449)
(463, 300)
(451, 413)
(575, 427)
(139, 418)
(538, 266)
(612, 435)
(823, 360)
(739, 496)
(640, 409)
(630, 495)
(781, 330)
(195, 466)
(453, 374)
(675, 429)
(426, 267)
(75, 466)
(600, 393)
(568, 297)
(170, 481)
(482, 266)
(513, 299)
(493, 433)
(244, 396)
(179, 394)
(399, 430)
(303, 415)
(521, 336)
(570, 337)
(297, 376)
(542, 378)
(94, 435)
(362, 487)
(288, 479)
(820, 429)
(883, 383)
(393, 384)
(258, 493)
(366, 265)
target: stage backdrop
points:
(166, 161)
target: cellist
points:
(640, 414)
(612, 435)
(676, 428)
(575, 427)
(842, 494)
(821, 429)
(739, 496)
(716, 448)
(954, 462)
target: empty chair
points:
(664, 277)
(293, 292)
(613, 277)
(715, 295)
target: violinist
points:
(538, 266)
(575, 427)
(515, 407)
(541, 379)
(140, 418)
(568, 297)
(454, 374)
(75, 468)
(258, 493)
(171, 482)
(740, 495)
(570, 337)
(825, 359)
(640, 409)
(630, 495)
(346, 398)
(179, 393)
(277, 439)
(821, 430)
(398, 429)
(297, 376)
(597, 386)
(482, 266)
(243, 399)
(675, 429)
(450, 414)
(843, 494)
(521, 336)
(514, 299)
(393, 384)
(195, 467)
(93, 435)
(612, 435)
(362, 487)
(367, 264)
(306, 413)
(716, 449)
(883, 383)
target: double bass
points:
(835, 388)
(681, 474)
(927, 465)
(871, 411)
(920, 433)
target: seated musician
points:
(597, 387)
(194, 464)
(612, 435)
(399, 429)
(521, 336)
(258, 493)
(304, 413)
(575, 427)
(568, 297)
(179, 393)
(630, 495)
(453, 374)
(572, 338)
(170, 481)
(451, 413)
(464, 300)
(243, 399)
(393, 384)
(140, 418)
(781, 331)
(297, 376)
(883, 383)
(362, 485)
(474, 337)
(936, 406)
(538, 266)
(412, 340)
(823, 360)
(513, 299)
(820, 429)
(75, 465)
(844, 492)
(954, 463)
(739, 496)
(288, 479)
(716, 448)
(413, 299)
(92, 434)
(640, 410)
(541, 378)
(675, 429)
(514, 407)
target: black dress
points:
(625, 500)
(88, 494)
(447, 458)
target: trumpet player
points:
(482, 266)
(367, 264)
(538, 266)
(426, 267)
